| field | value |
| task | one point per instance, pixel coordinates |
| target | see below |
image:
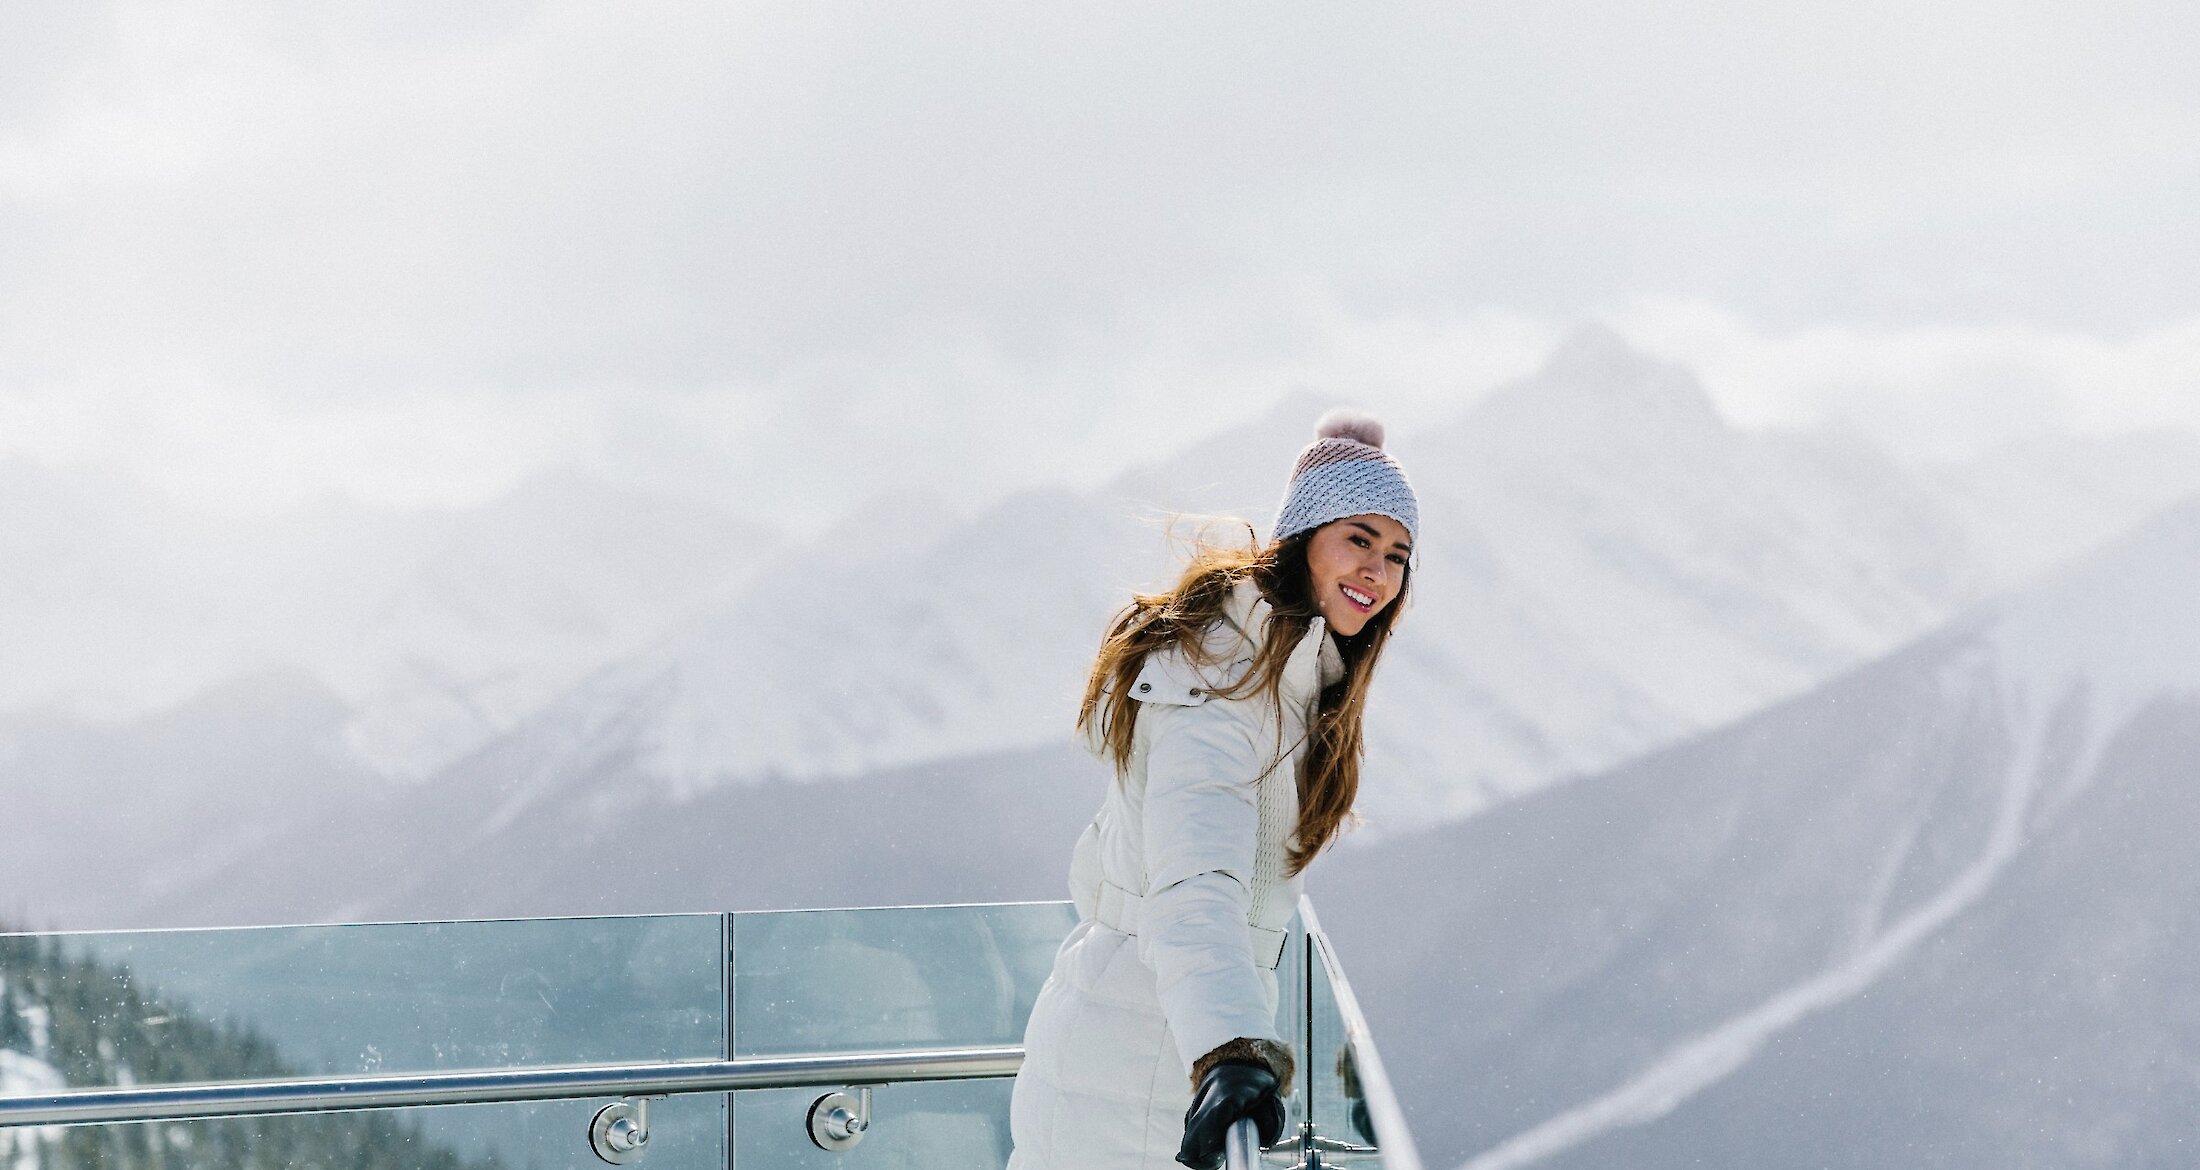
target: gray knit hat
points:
(1345, 472)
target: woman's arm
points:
(1202, 822)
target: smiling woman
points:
(1230, 707)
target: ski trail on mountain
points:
(1884, 883)
(1700, 1062)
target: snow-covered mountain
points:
(1608, 566)
(439, 628)
(517, 601)
(110, 814)
(906, 634)
(1938, 911)
(574, 829)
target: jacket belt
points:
(1120, 910)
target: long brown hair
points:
(1329, 773)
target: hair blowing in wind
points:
(1329, 776)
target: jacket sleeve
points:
(1202, 822)
(1084, 869)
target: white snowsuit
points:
(1183, 903)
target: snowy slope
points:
(516, 602)
(1608, 566)
(604, 841)
(440, 628)
(110, 814)
(859, 653)
(1893, 921)
(432, 650)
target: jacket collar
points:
(1316, 657)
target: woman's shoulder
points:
(1177, 676)
(1188, 673)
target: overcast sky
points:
(791, 255)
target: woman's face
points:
(1357, 564)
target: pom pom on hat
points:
(1358, 426)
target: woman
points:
(1230, 707)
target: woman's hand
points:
(1232, 1089)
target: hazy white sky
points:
(790, 255)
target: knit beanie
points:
(1345, 472)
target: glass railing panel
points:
(895, 977)
(1336, 1098)
(822, 981)
(401, 997)
(180, 1007)
(93, 1010)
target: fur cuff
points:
(1276, 1056)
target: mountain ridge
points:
(1674, 923)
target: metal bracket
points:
(620, 1132)
(838, 1120)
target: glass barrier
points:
(419, 997)
(1355, 1120)
(114, 1010)
(875, 980)
(197, 1006)
(899, 977)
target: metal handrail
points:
(1396, 1140)
(1241, 1146)
(491, 1086)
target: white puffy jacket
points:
(1183, 906)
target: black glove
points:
(1231, 1089)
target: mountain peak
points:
(1595, 347)
(1596, 377)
